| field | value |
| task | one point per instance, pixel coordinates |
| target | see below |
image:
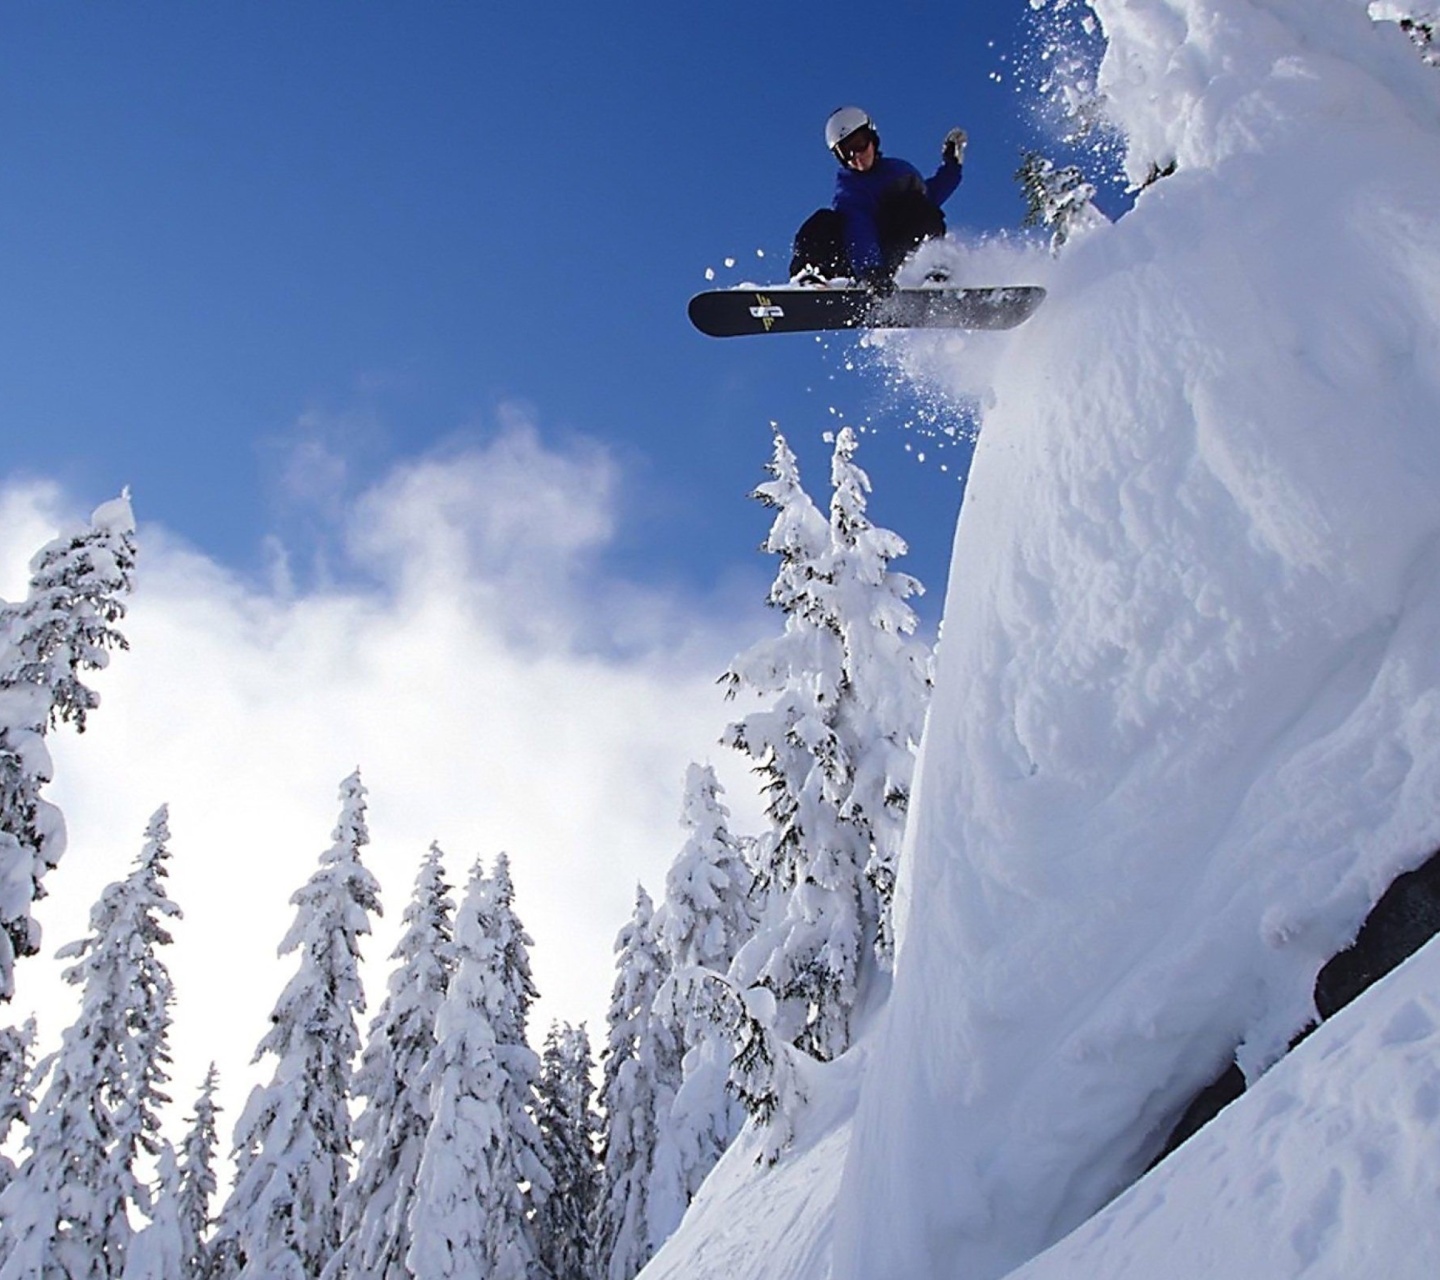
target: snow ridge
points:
(1183, 730)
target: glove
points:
(953, 148)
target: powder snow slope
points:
(1187, 718)
(1326, 1169)
(754, 1221)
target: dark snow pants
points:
(902, 222)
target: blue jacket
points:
(858, 196)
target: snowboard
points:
(731, 313)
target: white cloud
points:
(512, 524)
(470, 681)
(29, 516)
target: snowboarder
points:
(882, 208)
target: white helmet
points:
(842, 123)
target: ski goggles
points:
(851, 146)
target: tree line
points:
(439, 1143)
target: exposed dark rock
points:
(1204, 1107)
(1404, 920)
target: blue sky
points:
(403, 286)
(229, 230)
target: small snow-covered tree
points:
(1058, 198)
(66, 1212)
(171, 1246)
(641, 1063)
(568, 1129)
(195, 1183)
(481, 1170)
(705, 919)
(835, 748)
(765, 1071)
(293, 1140)
(706, 915)
(66, 625)
(390, 1131)
(17, 1045)
(158, 1251)
(514, 944)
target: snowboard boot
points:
(810, 278)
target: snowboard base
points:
(733, 313)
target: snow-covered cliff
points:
(1187, 721)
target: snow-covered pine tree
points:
(196, 1183)
(568, 1131)
(886, 685)
(765, 1071)
(481, 1170)
(66, 625)
(390, 1131)
(450, 1211)
(514, 944)
(66, 1213)
(793, 745)
(158, 1250)
(704, 920)
(849, 685)
(706, 916)
(292, 1142)
(1058, 198)
(17, 1046)
(641, 1063)
(522, 1184)
(799, 536)
(172, 1245)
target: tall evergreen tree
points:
(514, 945)
(798, 754)
(887, 681)
(835, 748)
(705, 919)
(292, 1142)
(391, 1129)
(641, 1076)
(66, 625)
(568, 1130)
(66, 1213)
(777, 738)
(481, 1171)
